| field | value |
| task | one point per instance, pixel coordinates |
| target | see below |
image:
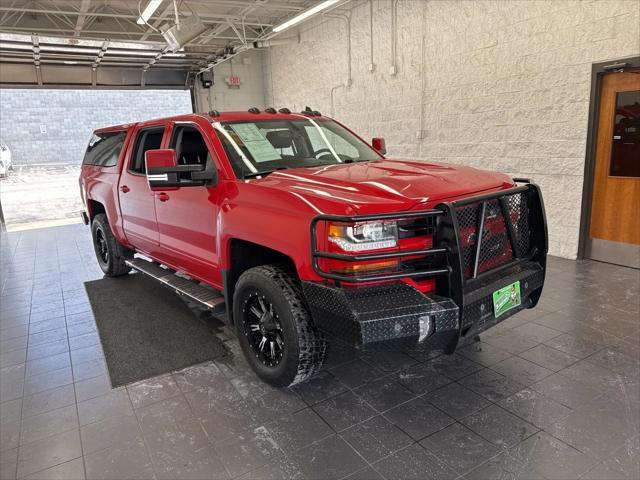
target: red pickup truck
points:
(302, 231)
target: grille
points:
(416, 227)
(496, 249)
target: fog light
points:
(426, 327)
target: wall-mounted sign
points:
(233, 81)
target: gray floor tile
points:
(418, 418)
(535, 408)
(297, 430)
(420, 379)
(319, 388)
(109, 433)
(48, 349)
(491, 385)
(521, 370)
(460, 448)
(10, 435)
(152, 390)
(203, 375)
(126, 460)
(356, 373)
(501, 428)
(47, 381)
(414, 463)
(344, 410)
(511, 341)
(623, 464)
(331, 458)
(389, 360)
(385, 393)
(56, 335)
(48, 364)
(578, 347)
(49, 423)
(222, 417)
(457, 401)
(453, 366)
(10, 411)
(13, 357)
(484, 353)
(49, 452)
(565, 390)
(73, 470)
(8, 464)
(248, 451)
(17, 343)
(92, 387)
(87, 354)
(549, 357)
(86, 370)
(203, 463)
(551, 458)
(277, 468)
(376, 438)
(113, 404)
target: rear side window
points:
(150, 139)
(104, 149)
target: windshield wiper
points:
(262, 174)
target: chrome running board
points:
(211, 299)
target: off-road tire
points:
(305, 346)
(114, 265)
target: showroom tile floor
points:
(550, 393)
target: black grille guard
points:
(448, 257)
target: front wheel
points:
(274, 327)
(110, 254)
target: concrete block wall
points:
(497, 84)
(54, 126)
(249, 67)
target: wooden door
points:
(615, 212)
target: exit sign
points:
(233, 81)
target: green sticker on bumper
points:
(506, 298)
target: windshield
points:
(262, 146)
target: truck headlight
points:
(364, 236)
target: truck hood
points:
(383, 185)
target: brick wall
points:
(502, 85)
(54, 126)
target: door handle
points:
(124, 189)
(163, 197)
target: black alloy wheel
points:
(263, 330)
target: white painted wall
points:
(501, 84)
(247, 66)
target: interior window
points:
(104, 149)
(339, 144)
(150, 139)
(189, 145)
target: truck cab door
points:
(137, 203)
(188, 216)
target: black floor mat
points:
(147, 330)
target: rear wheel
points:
(110, 254)
(274, 327)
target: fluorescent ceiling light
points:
(304, 15)
(151, 8)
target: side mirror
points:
(163, 171)
(379, 145)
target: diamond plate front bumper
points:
(391, 316)
(397, 316)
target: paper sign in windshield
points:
(259, 147)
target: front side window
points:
(260, 147)
(104, 149)
(150, 139)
